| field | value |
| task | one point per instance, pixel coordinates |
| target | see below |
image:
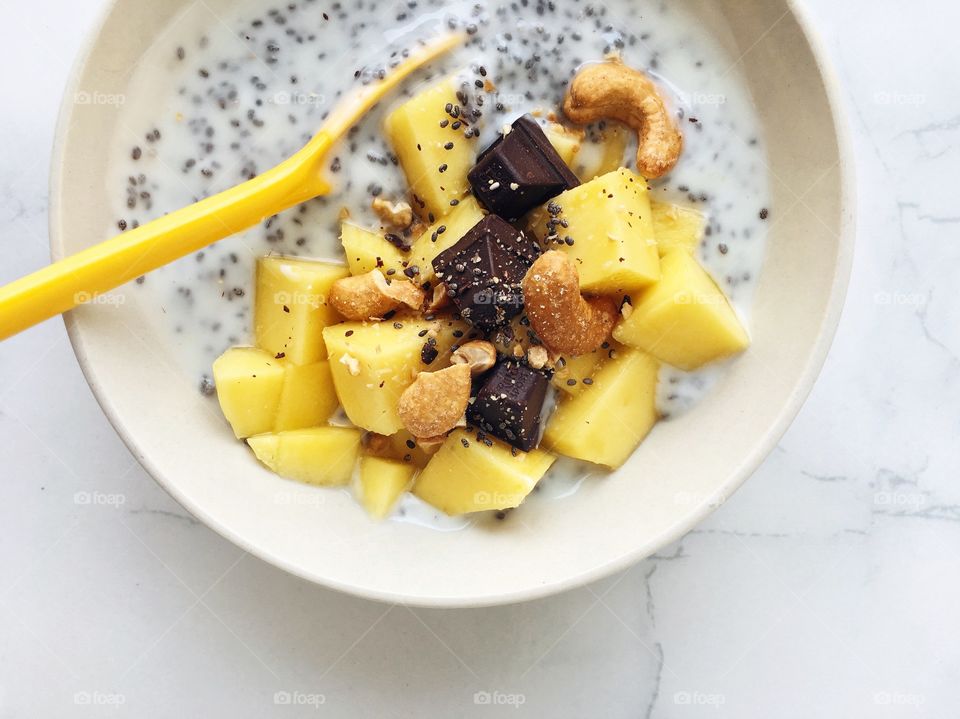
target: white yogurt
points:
(216, 101)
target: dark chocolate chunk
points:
(483, 272)
(509, 404)
(519, 171)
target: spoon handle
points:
(81, 277)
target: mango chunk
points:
(308, 397)
(291, 309)
(467, 475)
(684, 320)
(434, 153)
(676, 226)
(249, 384)
(367, 250)
(606, 156)
(401, 446)
(606, 421)
(373, 362)
(565, 141)
(611, 226)
(442, 235)
(570, 374)
(382, 481)
(320, 455)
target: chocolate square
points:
(510, 403)
(484, 270)
(520, 171)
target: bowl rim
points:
(767, 442)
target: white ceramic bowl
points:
(701, 457)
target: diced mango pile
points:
(308, 362)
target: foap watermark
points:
(85, 97)
(685, 498)
(99, 499)
(297, 299)
(299, 699)
(899, 299)
(899, 699)
(699, 699)
(701, 99)
(299, 98)
(500, 699)
(100, 699)
(686, 297)
(299, 499)
(888, 97)
(113, 299)
(900, 500)
(500, 297)
(508, 100)
(497, 499)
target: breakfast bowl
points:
(131, 145)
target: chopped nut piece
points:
(378, 445)
(537, 357)
(440, 298)
(351, 363)
(371, 296)
(398, 215)
(478, 355)
(431, 444)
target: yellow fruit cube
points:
(606, 156)
(611, 226)
(572, 371)
(433, 150)
(308, 397)
(382, 481)
(367, 250)
(605, 422)
(442, 235)
(373, 362)
(676, 226)
(291, 306)
(249, 384)
(321, 455)
(401, 446)
(467, 475)
(684, 320)
(565, 141)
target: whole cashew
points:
(612, 90)
(436, 401)
(563, 319)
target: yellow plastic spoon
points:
(77, 279)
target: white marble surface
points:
(829, 586)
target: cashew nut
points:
(398, 215)
(371, 296)
(613, 90)
(478, 355)
(436, 401)
(565, 321)
(439, 298)
(430, 445)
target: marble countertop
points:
(828, 586)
